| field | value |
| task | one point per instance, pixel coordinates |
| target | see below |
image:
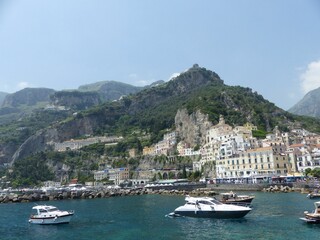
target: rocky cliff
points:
(192, 128)
(75, 100)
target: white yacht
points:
(207, 207)
(50, 215)
(312, 217)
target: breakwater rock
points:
(281, 188)
(96, 193)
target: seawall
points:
(195, 190)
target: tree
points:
(316, 172)
(307, 171)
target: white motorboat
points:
(207, 207)
(312, 217)
(50, 215)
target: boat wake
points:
(173, 215)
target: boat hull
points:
(311, 220)
(213, 214)
(51, 220)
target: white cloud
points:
(22, 85)
(142, 82)
(310, 79)
(174, 75)
(136, 81)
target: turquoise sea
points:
(274, 216)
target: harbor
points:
(273, 216)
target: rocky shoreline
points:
(35, 196)
(92, 194)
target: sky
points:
(272, 47)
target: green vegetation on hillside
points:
(18, 131)
(30, 171)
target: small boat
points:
(312, 217)
(313, 195)
(50, 215)
(207, 207)
(232, 198)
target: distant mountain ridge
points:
(28, 97)
(309, 105)
(105, 90)
(110, 90)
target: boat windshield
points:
(211, 202)
(205, 202)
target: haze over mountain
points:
(2, 96)
(23, 102)
(309, 105)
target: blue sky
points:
(270, 46)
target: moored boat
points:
(207, 207)
(313, 195)
(50, 215)
(312, 217)
(233, 198)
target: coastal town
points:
(228, 155)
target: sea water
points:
(274, 216)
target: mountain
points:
(110, 90)
(153, 110)
(23, 103)
(309, 105)
(27, 97)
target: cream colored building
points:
(260, 161)
(118, 175)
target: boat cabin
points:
(41, 210)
